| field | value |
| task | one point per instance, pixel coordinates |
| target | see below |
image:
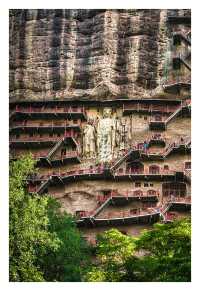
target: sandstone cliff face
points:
(91, 54)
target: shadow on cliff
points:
(148, 49)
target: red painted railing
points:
(27, 124)
(170, 216)
(34, 138)
(68, 133)
(178, 199)
(172, 145)
(150, 107)
(166, 202)
(126, 213)
(82, 214)
(122, 171)
(126, 194)
(76, 172)
(32, 188)
(119, 214)
(56, 109)
(40, 154)
(65, 156)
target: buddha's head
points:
(107, 112)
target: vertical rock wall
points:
(86, 53)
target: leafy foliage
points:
(70, 260)
(44, 243)
(113, 250)
(167, 253)
(28, 224)
(162, 254)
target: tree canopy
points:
(162, 254)
(167, 250)
(113, 249)
(45, 244)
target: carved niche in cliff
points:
(105, 137)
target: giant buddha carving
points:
(106, 136)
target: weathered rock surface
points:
(91, 54)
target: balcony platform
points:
(137, 219)
(38, 113)
(43, 129)
(37, 142)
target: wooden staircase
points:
(185, 37)
(162, 124)
(43, 186)
(104, 205)
(173, 115)
(55, 147)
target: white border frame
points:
(4, 145)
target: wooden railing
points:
(157, 171)
(126, 213)
(49, 110)
(119, 214)
(37, 138)
(34, 138)
(146, 150)
(150, 107)
(168, 202)
(45, 153)
(40, 154)
(78, 172)
(32, 188)
(170, 216)
(70, 154)
(165, 119)
(126, 194)
(186, 199)
(52, 124)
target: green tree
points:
(71, 259)
(113, 250)
(161, 255)
(45, 244)
(28, 224)
(166, 254)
